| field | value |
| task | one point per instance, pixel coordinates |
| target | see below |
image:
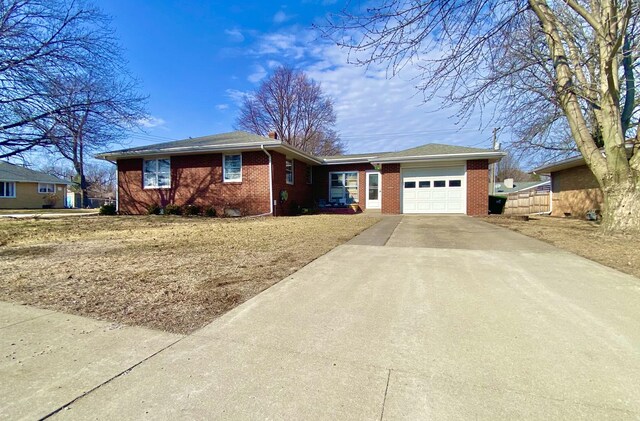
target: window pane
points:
(232, 167)
(150, 180)
(164, 180)
(11, 189)
(373, 194)
(164, 165)
(455, 183)
(409, 184)
(424, 184)
(150, 165)
(337, 193)
(309, 174)
(337, 180)
(439, 183)
(289, 171)
(2, 189)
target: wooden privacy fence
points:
(527, 202)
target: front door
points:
(374, 190)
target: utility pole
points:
(492, 189)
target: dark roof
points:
(240, 140)
(223, 139)
(435, 149)
(11, 172)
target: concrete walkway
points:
(442, 318)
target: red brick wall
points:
(478, 187)
(197, 179)
(300, 193)
(390, 188)
(321, 180)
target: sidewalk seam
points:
(384, 400)
(123, 372)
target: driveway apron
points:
(443, 317)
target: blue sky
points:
(195, 60)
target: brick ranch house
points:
(265, 176)
(574, 188)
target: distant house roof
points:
(11, 172)
(565, 164)
(239, 140)
(521, 186)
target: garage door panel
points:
(434, 190)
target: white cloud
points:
(151, 122)
(234, 35)
(281, 17)
(222, 107)
(374, 113)
(236, 96)
(258, 74)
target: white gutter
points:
(270, 182)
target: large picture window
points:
(343, 187)
(232, 168)
(157, 173)
(7, 189)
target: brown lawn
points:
(169, 273)
(581, 237)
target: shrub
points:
(107, 209)
(210, 212)
(154, 209)
(172, 209)
(191, 210)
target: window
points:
(289, 170)
(343, 187)
(309, 174)
(424, 184)
(232, 168)
(7, 189)
(455, 183)
(409, 184)
(157, 173)
(46, 188)
(439, 183)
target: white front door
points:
(374, 190)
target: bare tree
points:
(112, 108)
(295, 107)
(509, 167)
(41, 41)
(561, 73)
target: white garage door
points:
(434, 190)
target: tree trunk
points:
(621, 208)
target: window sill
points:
(232, 181)
(156, 188)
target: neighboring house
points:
(574, 188)
(22, 188)
(263, 175)
(504, 188)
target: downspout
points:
(270, 182)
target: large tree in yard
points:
(561, 73)
(294, 106)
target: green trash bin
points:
(496, 204)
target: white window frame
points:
(155, 174)
(344, 187)
(4, 190)
(43, 188)
(289, 172)
(224, 169)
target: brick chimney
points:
(273, 135)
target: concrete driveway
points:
(419, 318)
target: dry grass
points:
(169, 273)
(44, 211)
(582, 238)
